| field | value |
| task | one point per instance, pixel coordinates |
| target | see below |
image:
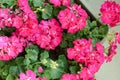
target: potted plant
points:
(54, 40)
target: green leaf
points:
(2, 63)
(94, 32)
(47, 74)
(103, 30)
(5, 70)
(72, 1)
(56, 11)
(93, 24)
(35, 68)
(32, 47)
(30, 67)
(94, 40)
(10, 77)
(38, 3)
(32, 53)
(73, 69)
(56, 73)
(44, 55)
(13, 70)
(19, 60)
(62, 62)
(63, 44)
(70, 37)
(8, 2)
(26, 61)
(47, 12)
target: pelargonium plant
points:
(54, 39)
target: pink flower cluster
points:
(30, 75)
(10, 47)
(40, 69)
(118, 37)
(59, 2)
(10, 19)
(112, 48)
(47, 34)
(74, 77)
(111, 51)
(92, 58)
(30, 26)
(50, 34)
(70, 77)
(110, 13)
(5, 18)
(73, 18)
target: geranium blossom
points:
(50, 34)
(73, 18)
(5, 17)
(113, 47)
(110, 13)
(30, 26)
(118, 37)
(92, 58)
(23, 4)
(59, 2)
(111, 51)
(4, 13)
(40, 69)
(81, 48)
(17, 22)
(70, 77)
(30, 75)
(10, 47)
(10, 19)
(28, 30)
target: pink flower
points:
(118, 38)
(55, 2)
(30, 27)
(112, 51)
(100, 48)
(5, 18)
(110, 13)
(59, 2)
(10, 47)
(40, 69)
(41, 78)
(70, 77)
(73, 18)
(17, 22)
(30, 75)
(91, 57)
(50, 34)
(110, 18)
(65, 2)
(86, 74)
(10, 19)
(71, 53)
(23, 4)
(4, 13)
(81, 48)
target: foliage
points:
(54, 62)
